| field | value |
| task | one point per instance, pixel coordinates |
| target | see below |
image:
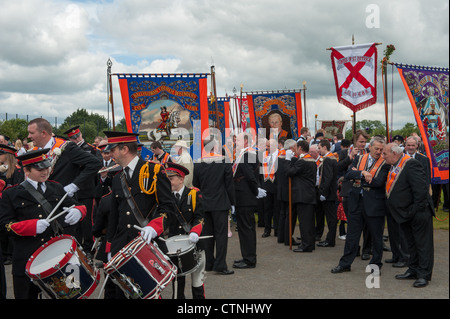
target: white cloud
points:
(54, 53)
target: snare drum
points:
(141, 270)
(62, 270)
(183, 254)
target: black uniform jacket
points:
(303, 179)
(215, 181)
(154, 207)
(246, 179)
(19, 212)
(328, 179)
(76, 166)
(410, 195)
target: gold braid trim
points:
(193, 194)
(144, 173)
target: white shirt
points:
(35, 184)
(179, 192)
(132, 165)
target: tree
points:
(91, 125)
(14, 129)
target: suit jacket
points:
(409, 195)
(154, 207)
(78, 167)
(374, 194)
(425, 161)
(104, 187)
(215, 181)
(246, 180)
(303, 175)
(328, 178)
(19, 212)
(282, 179)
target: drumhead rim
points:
(62, 262)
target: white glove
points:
(261, 193)
(148, 233)
(108, 256)
(289, 155)
(41, 226)
(233, 209)
(73, 216)
(71, 189)
(193, 237)
(322, 198)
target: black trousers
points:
(245, 220)
(355, 225)
(84, 228)
(330, 211)
(283, 223)
(271, 212)
(24, 288)
(305, 214)
(216, 223)
(419, 237)
(397, 240)
(3, 283)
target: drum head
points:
(175, 245)
(54, 252)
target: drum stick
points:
(57, 205)
(141, 229)
(202, 237)
(103, 286)
(63, 212)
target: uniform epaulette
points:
(194, 188)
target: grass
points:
(441, 221)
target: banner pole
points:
(111, 100)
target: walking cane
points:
(290, 214)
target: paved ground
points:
(283, 274)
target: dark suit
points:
(271, 203)
(17, 206)
(411, 206)
(283, 200)
(303, 180)
(366, 206)
(327, 208)
(246, 186)
(215, 181)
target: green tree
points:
(91, 124)
(14, 128)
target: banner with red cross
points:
(355, 75)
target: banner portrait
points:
(222, 115)
(355, 75)
(427, 89)
(281, 110)
(165, 108)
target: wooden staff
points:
(290, 213)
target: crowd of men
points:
(355, 187)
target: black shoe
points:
(338, 269)
(237, 261)
(266, 234)
(225, 272)
(325, 244)
(243, 265)
(406, 275)
(390, 261)
(365, 257)
(400, 264)
(420, 283)
(386, 248)
(302, 249)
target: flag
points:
(355, 75)
(223, 115)
(427, 89)
(281, 110)
(164, 107)
(332, 127)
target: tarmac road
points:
(282, 274)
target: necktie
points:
(127, 172)
(178, 196)
(39, 188)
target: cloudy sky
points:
(53, 53)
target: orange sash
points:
(394, 173)
(363, 163)
(269, 172)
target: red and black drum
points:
(62, 270)
(141, 270)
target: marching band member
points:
(71, 166)
(189, 203)
(23, 211)
(140, 189)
